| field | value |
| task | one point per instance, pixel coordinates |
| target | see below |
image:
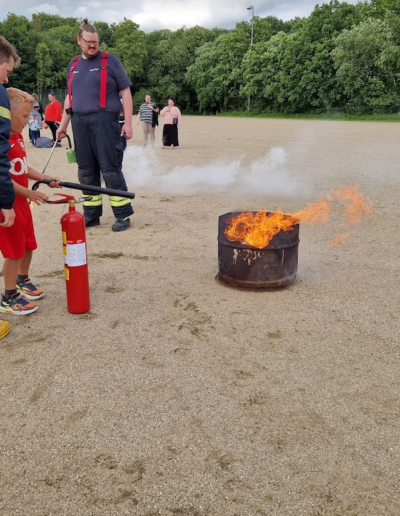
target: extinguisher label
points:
(66, 272)
(76, 255)
(64, 237)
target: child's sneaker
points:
(29, 291)
(17, 305)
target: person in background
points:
(172, 122)
(52, 116)
(35, 97)
(97, 133)
(147, 114)
(8, 60)
(18, 242)
(35, 123)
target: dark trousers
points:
(34, 135)
(99, 152)
(170, 135)
(30, 135)
(53, 126)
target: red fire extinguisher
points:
(75, 259)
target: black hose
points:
(87, 188)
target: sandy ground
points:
(178, 396)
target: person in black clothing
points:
(93, 106)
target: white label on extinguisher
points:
(76, 255)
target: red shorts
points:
(20, 237)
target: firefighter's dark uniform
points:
(97, 132)
(7, 194)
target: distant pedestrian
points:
(35, 123)
(35, 97)
(37, 100)
(148, 118)
(52, 116)
(172, 122)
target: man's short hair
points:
(7, 51)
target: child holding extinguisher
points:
(18, 242)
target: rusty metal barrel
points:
(247, 267)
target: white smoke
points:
(269, 175)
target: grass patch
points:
(316, 116)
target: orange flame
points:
(338, 240)
(258, 229)
(355, 205)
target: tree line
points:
(342, 57)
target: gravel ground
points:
(178, 396)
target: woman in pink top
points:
(172, 122)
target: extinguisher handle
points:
(65, 198)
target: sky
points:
(153, 15)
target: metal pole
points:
(251, 8)
(252, 25)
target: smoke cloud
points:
(268, 175)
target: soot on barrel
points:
(271, 267)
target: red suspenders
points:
(103, 79)
(71, 73)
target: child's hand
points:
(55, 182)
(37, 196)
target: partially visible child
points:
(18, 241)
(35, 123)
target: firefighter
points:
(96, 83)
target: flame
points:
(338, 240)
(315, 212)
(257, 229)
(355, 205)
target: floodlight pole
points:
(251, 8)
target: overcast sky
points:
(152, 15)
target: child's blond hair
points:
(18, 97)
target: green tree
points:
(62, 45)
(128, 44)
(294, 72)
(17, 30)
(216, 75)
(44, 64)
(367, 63)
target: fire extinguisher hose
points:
(87, 188)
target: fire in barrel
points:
(259, 250)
